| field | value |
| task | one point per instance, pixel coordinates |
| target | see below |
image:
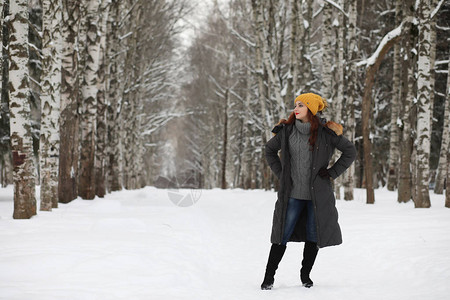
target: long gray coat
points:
(328, 230)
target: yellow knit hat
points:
(314, 102)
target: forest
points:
(104, 95)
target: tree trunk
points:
(267, 59)
(267, 119)
(115, 86)
(352, 79)
(407, 95)
(20, 116)
(443, 164)
(422, 199)
(327, 52)
(433, 42)
(7, 167)
(388, 41)
(131, 101)
(293, 50)
(224, 144)
(69, 124)
(339, 83)
(89, 91)
(396, 90)
(306, 79)
(447, 188)
(100, 152)
(50, 103)
(2, 7)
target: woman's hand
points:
(324, 173)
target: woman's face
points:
(301, 111)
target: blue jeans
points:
(294, 209)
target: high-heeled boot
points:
(309, 256)
(275, 256)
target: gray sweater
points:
(299, 149)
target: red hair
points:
(314, 120)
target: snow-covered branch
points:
(434, 12)
(337, 6)
(249, 43)
(389, 37)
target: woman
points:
(305, 210)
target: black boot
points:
(309, 256)
(275, 256)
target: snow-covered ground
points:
(139, 245)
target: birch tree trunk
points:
(223, 178)
(115, 63)
(1, 48)
(396, 90)
(131, 127)
(50, 103)
(259, 67)
(100, 152)
(247, 157)
(327, 52)
(339, 66)
(305, 58)
(339, 83)
(20, 116)
(422, 199)
(405, 188)
(352, 79)
(407, 95)
(69, 123)
(89, 90)
(267, 60)
(443, 164)
(6, 163)
(293, 50)
(433, 42)
(447, 188)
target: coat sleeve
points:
(347, 157)
(272, 148)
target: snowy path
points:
(139, 245)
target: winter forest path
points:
(139, 245)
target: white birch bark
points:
(306, 78)
(50, 103)
(293, 50)
(20, 116)
(131, 108)
(101, 145)
(339, 66)
(424, 93)
(433, 42)
(115, 63)
(352, 79)
(396, 90)
(247, 160)
(89, 89)
(327, 52)
(267, 118)
(268, 61)
(339, 83)
(443, 164)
